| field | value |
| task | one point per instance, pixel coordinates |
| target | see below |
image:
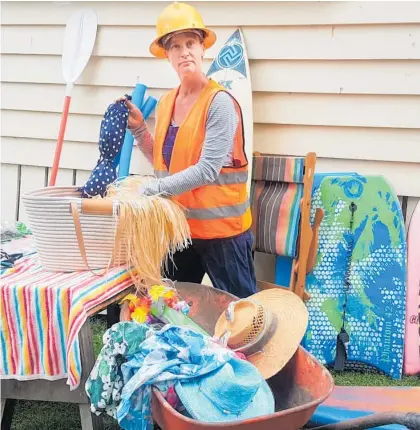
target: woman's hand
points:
(135, 117)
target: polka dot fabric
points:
(111, 139)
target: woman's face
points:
(185, 52)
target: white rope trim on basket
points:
(51, 221)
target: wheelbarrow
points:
(299, 388)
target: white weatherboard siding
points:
(338, 78)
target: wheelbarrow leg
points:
(410, 420)
(112, 314)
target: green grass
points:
(62, 416)
(51, 416)
(372, 379)
(98, 329)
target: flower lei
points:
(140, 307)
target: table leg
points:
(88, 420)
(7, 410)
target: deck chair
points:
(281, 189)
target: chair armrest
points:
(313, 250)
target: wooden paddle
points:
(79, 40)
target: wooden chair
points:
(281, 191)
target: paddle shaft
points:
(79, 40)
(60, 140)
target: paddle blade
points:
(79, 40)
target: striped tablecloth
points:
(41, 315)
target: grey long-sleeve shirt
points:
(221, 125)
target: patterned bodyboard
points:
(369, 251)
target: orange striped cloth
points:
(276, 191)
(41, 315)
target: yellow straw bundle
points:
(154, 228)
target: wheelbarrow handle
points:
(410, 420)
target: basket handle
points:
(99, 209)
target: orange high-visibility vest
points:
(216, 210)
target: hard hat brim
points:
(157, 51)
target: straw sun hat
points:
(266, 327)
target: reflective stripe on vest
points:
(223, 178)
(161, 174)
(217, 213)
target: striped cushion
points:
(278, 169)
(276, 205)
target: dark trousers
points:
(228, 263)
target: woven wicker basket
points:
(67, 228)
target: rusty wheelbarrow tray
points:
(298, 388)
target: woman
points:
(199, 159)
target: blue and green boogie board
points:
(358, 283)
(284, 264)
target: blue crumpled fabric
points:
(159, 358)
(111, 139)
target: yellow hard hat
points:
(179, 17)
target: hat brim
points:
(292, 322)
(199, 407)
(157, 51)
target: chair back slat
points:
(278, 169)
(276, 192)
